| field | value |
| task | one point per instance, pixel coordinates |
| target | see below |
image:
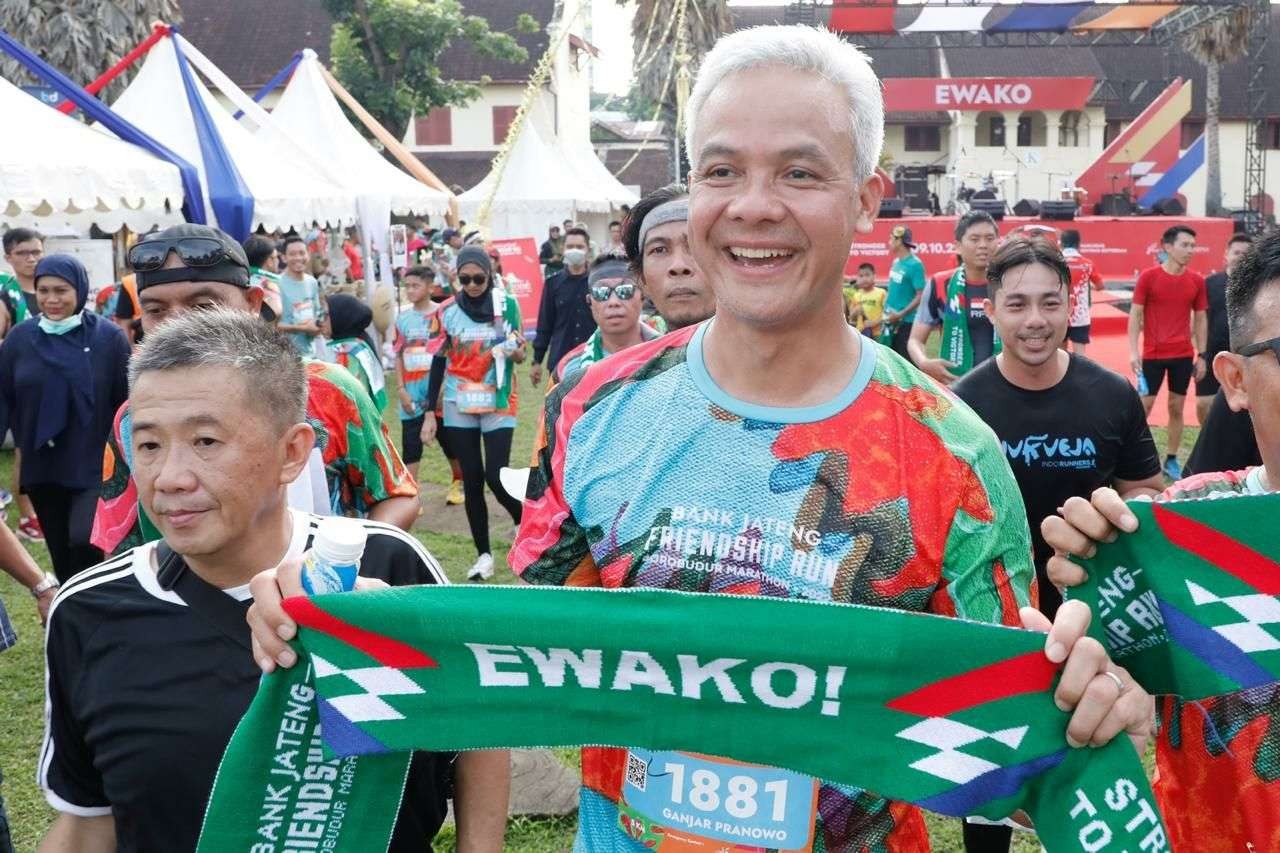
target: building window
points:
(436, 128)
(923, 137)
(1113, 128)
(502, 118)
(990, 130)
(1269, 135)
(1073, 129)
(1191, 130)
(1033, 130)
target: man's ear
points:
(989, 308)
(1229, 369)
(298, 441)
(869, 195)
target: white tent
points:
(60, 176)
(288, 190)
(542, 184)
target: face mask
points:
(575, 257)
(60, 327)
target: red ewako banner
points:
(522, 274)
(1120, 247)
(986, 93)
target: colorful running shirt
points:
(361, 464)
(1083, 277)
(21, 304)
(468, 347)
(894, 494)
(414, 346)
(363, 363)
(590, 351)
(301, 304)
(1218, 760)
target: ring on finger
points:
(1119, 682)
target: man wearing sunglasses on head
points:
(614, 298)
(1215, 778)
(354, 468)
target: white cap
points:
(339, 541)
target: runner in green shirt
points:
(906, 284)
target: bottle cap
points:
(339, 541)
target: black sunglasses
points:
(601, 293)
(467, 278)
(1249, 350)
(194, 252)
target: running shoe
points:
(1171, 469)
(29, 529)
(6, 498)
(482, 570)
(455, 497)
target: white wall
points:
(473, 123)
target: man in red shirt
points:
(1169, 309)
(1083, 276)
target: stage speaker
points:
(1115, 204)
(1026, 207)
(993, 206)
(891, 208)
(1168, 207)
(1058, 209)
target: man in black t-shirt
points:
(1216, 288)
(147, 677)
(1067, 425)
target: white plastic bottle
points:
(333, 562)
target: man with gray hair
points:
(149, 653)
(846, 475)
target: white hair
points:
(811, 49)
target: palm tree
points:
(81, 38)
(653, 31)
(1222, 40)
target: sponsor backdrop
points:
(522, 273)
(1120, 247)
(986, 93)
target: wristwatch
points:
(49, 582)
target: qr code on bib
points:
(637, 772)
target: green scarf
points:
(1190, 602)
(851, 694)
(956, 346)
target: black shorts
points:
(411, 440)
(1179, 370)
(1078, 334)
(1208, 386)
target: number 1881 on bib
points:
(680, 801)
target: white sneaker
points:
(482, 569)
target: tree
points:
(654, 34)
(386, 53)
(80, 38)
(1219, 41)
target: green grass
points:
(22, 667)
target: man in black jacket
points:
(564, 317)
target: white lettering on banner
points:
(305, 783)
(958, 94)
(1096, 834)
(635, 669)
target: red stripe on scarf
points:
(1231, 556)
(1028, 673)
(384, 650)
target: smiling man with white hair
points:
(773, 451)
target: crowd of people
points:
(706, 363)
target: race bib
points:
(417, 359)
(304, 311)
(674, 802)
(476, 398)
(371, 369)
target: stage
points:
(1120, 246)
